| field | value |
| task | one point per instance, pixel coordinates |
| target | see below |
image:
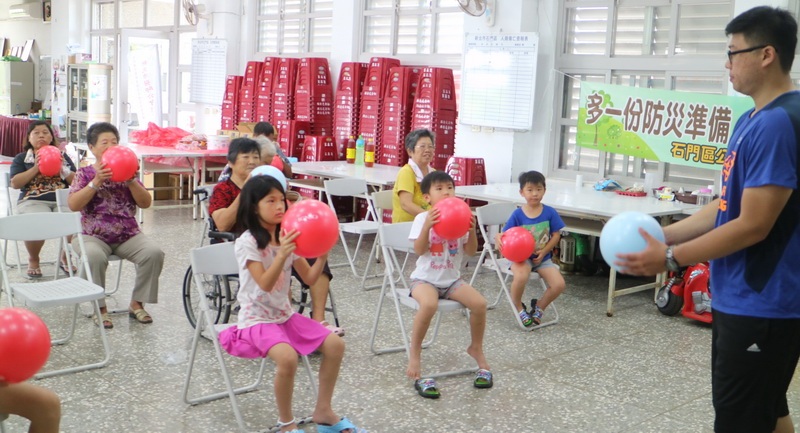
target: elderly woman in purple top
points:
(108, 215)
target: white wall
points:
(508, 153)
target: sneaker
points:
(536, 315)
(525, 317)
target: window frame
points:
(607, 65)
(449, 60)
(280, 18)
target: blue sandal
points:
(427, 388)
(483, 379)
(288, 423)
(339, 427)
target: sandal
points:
(335, 329)
(34, 273)
(339, 427)
(107, 323)
(427, 388)
(483, 379)
(288, 423)
(140, 315)
(65, 267)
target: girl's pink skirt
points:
(300, 332)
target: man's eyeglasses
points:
(746, 50)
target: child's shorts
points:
(302, 333)
(444, 292)
(544, 265)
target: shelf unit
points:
(88, 98)
(16, 87)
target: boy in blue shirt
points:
(545, 225)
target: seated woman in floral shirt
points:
(108, 215)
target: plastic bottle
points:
(369, 153)
(350, 153)
(360, 150)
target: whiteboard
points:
(208, 71)
(498, 80)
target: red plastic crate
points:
(291, 136)
(318, 148)
(351, 77)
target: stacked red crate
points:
(313, 100)
(347, 104)
(264, 89)
(283, 89)
(467, 171)
(319, 148)
(247, 93)
(435, 109)
(396, 120)
(291, 136)
(230, 102)
(372, 98)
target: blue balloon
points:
(621, 235)
(268, 170)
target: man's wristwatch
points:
(671, 263)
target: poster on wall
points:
(658, 125)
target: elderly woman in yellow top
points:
(407, 200)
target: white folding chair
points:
(394, 238)
(351, 187)
(379, 201)
(214, 260)
(496, 215)
(10, 203)
(62, 196)
(69, 291)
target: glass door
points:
(146, 83)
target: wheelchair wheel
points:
(218, 294)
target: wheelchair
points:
(221, 291)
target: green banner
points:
(658, 125)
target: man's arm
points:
(760, 208)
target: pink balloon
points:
(49, 160)
(454, 218)
(317, 225)
(518, 244)
(122, 162)
(277, 162)
(24, 344)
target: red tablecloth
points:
(12, 134)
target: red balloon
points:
(454, 218)
(277, 162)
(24, 344)
(49, 160)
(122, 162)
(518, 244)
(317, 225)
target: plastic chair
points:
(351, 187)
(69, 291)
(219, 260)
(379, 201)
(10, 211)
(496, 215)
(394, 238)
(61, 201)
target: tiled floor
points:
(638, 371)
